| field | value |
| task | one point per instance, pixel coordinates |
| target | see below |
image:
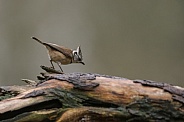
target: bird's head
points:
(77, 56)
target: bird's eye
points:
(75, 56)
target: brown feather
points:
(66, 51)
(58, 54)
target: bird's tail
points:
(37, 40)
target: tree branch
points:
(75, 97)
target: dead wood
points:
(86, 97)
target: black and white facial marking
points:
(77, 55)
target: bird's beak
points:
(82, 63)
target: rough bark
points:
(86, 97)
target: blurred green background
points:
(135, 39)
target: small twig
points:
(30, 82)
(51, 70)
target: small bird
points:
(62, 55)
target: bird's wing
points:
(66, 51)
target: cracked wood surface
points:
(91, 97)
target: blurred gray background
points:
(135, 39)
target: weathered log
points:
(86, 97)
